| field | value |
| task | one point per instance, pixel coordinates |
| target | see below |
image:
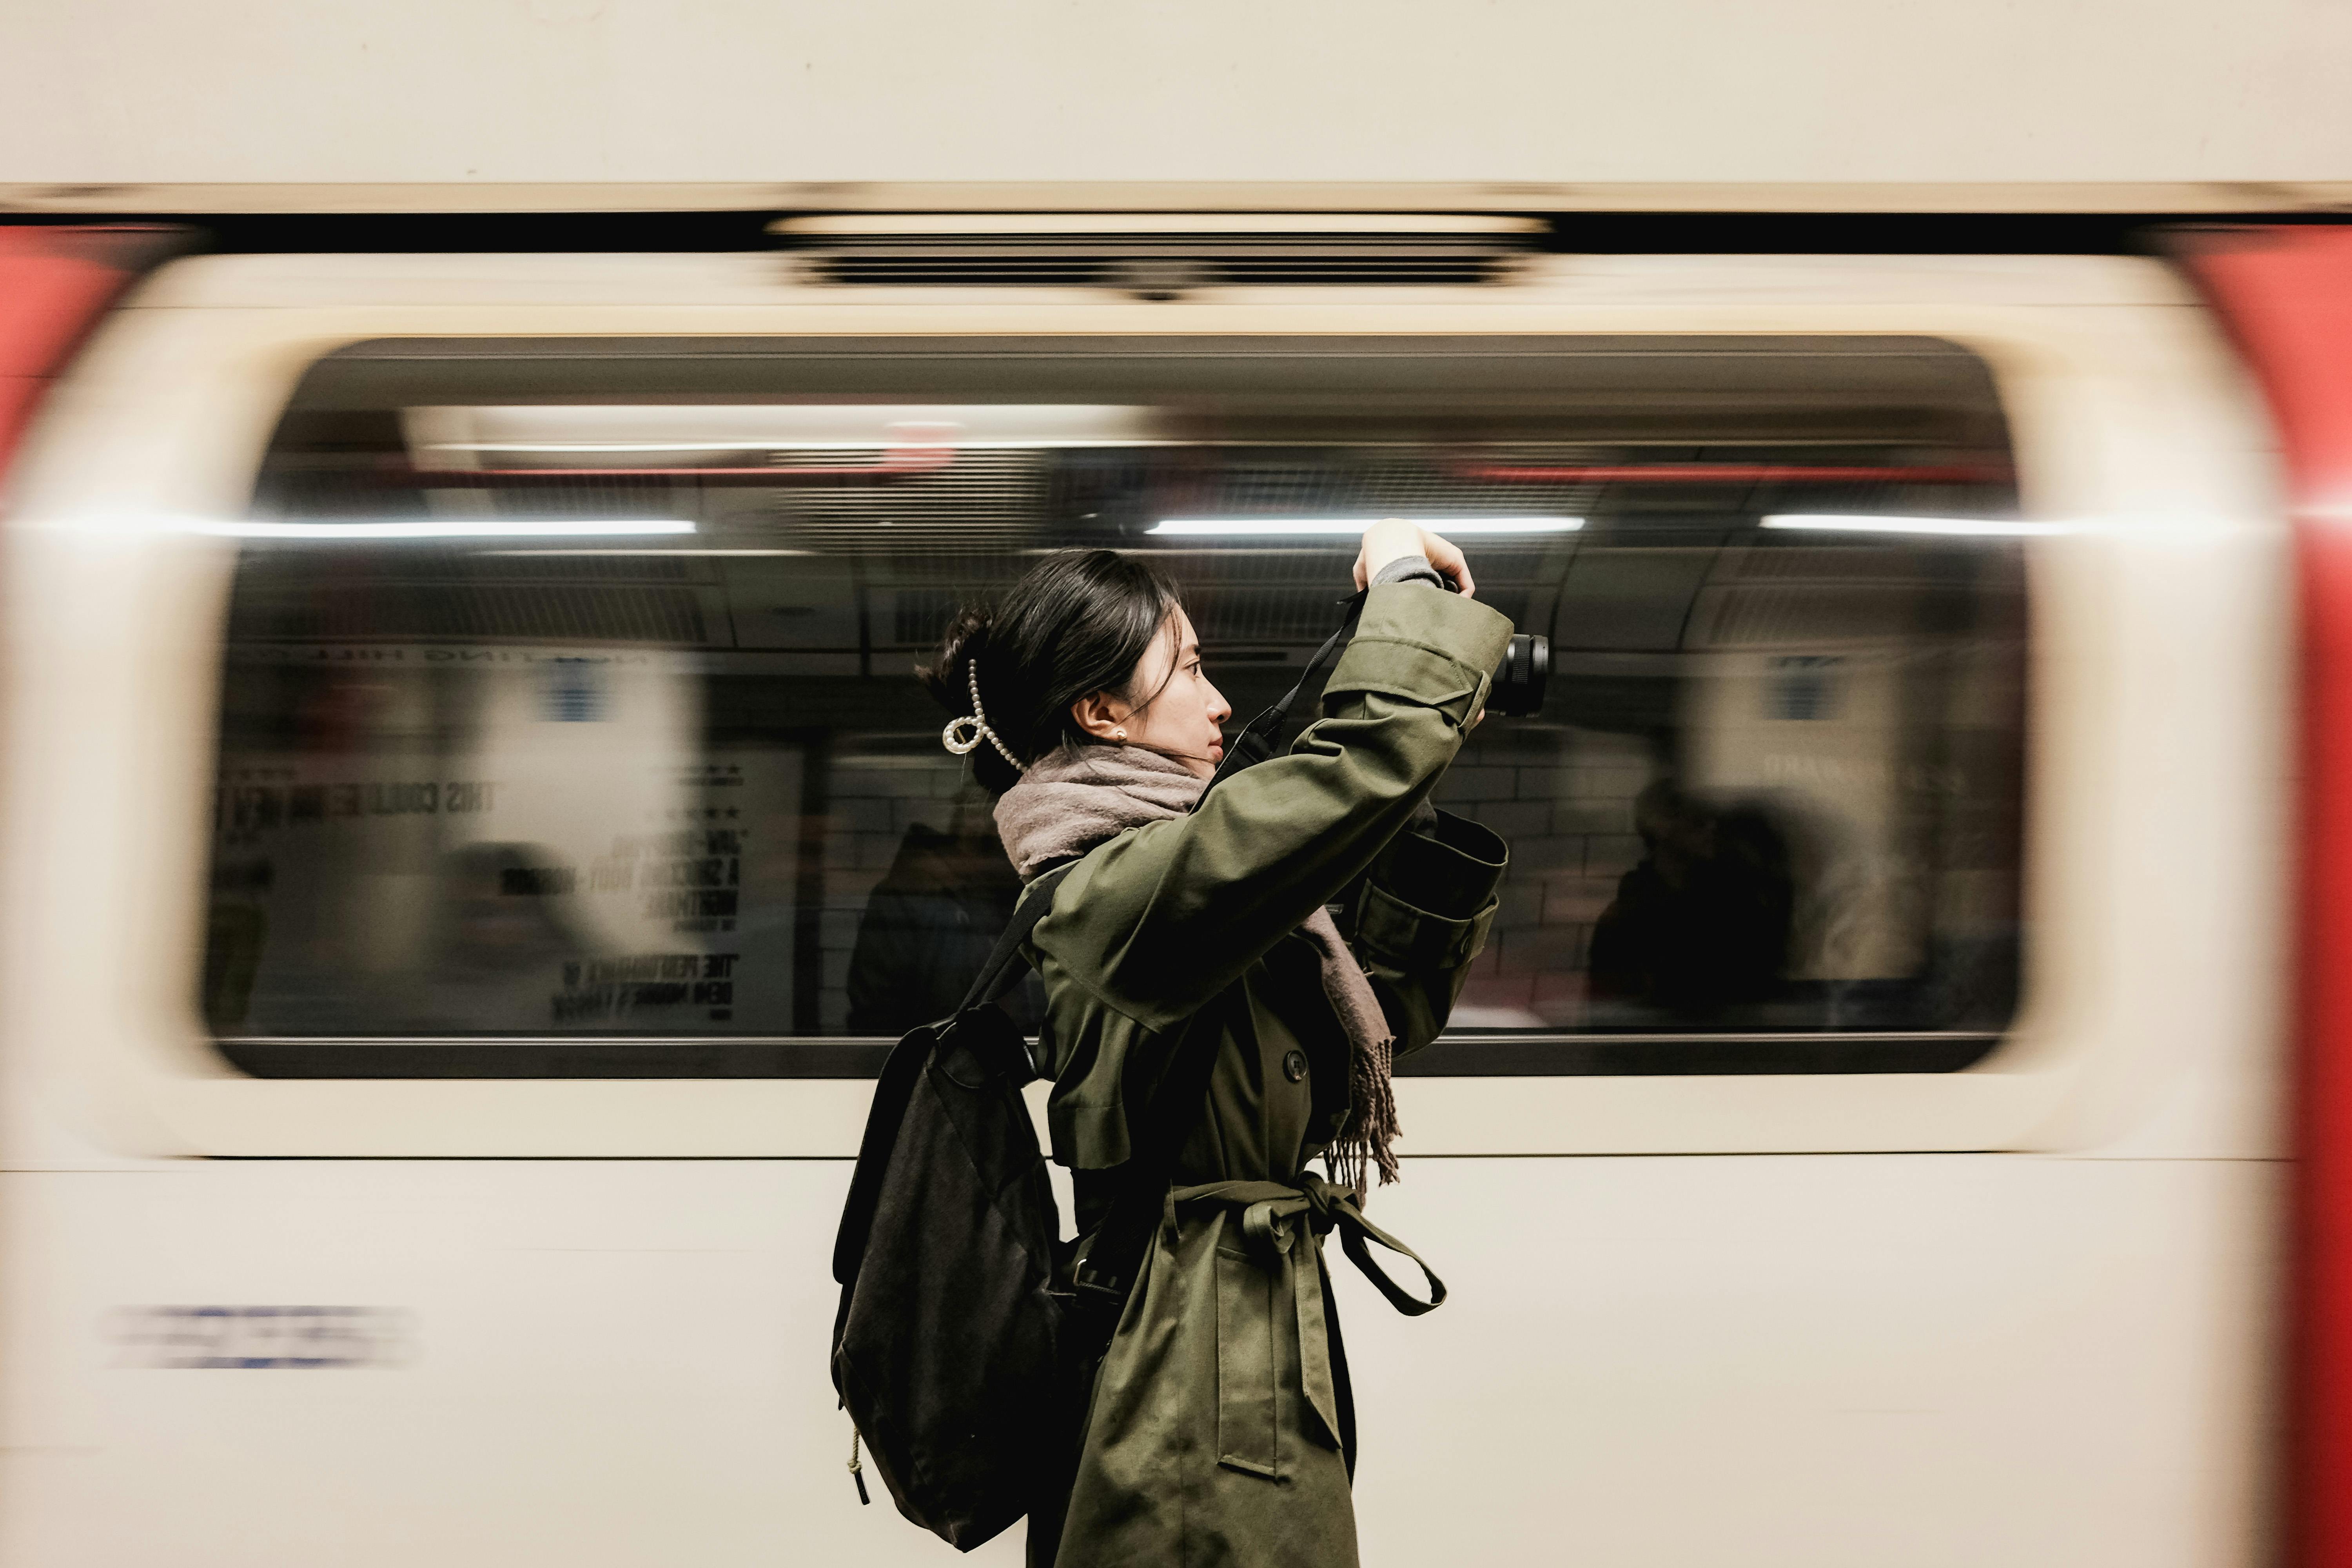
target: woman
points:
(1219, 1428)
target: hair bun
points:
(950, 678)
(947, 677)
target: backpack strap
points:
(1260, 741)
(1005, 966)
(907, 1061)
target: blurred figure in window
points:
(1703, 922)
(500, 938)
(928, 927)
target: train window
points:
(567, 725)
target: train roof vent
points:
(1158, 256)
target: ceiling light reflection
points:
(1285, 527)
(455, 528)
(1949, 526)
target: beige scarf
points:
(1078, 796)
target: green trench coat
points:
(1218, 1431)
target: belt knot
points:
(1271, 1212)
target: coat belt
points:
(1253, 1282)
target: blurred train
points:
(470, 832)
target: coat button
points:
(1294, 1065)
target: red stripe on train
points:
(2286, 294)
(56, 281)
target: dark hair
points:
(1077, 621)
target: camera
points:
(1518, 686)
(1516, 691)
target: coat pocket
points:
(1246, 1360)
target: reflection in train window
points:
(568, 723)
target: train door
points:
(473, 827)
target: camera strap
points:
(1264, 737)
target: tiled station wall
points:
(1563, 799)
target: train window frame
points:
(2127, 414)
(1016, 369)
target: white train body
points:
(2023, 1312)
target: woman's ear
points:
(1101, 715)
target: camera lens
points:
(1518, 688)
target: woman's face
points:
(1175, 711)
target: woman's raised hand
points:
(1394, 539)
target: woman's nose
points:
(1219, 709)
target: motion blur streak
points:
(2287, 295)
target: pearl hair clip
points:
(965, 733)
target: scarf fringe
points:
(1367, 1143)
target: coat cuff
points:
(1408, 569)
(1436, 649)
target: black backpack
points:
(962, 1352)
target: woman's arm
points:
(1160, 921)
